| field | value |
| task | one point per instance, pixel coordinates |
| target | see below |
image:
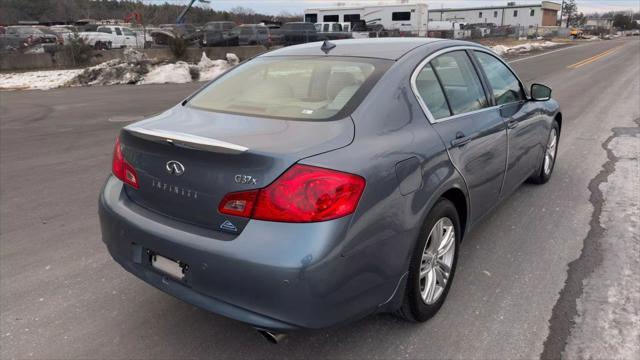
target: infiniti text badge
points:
(174, 168)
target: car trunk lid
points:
(187, 159)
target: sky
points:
(274, 7)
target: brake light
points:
(302, 194)
(121, 168)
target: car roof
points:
(383, 48)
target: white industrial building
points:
(544, 13)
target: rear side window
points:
(504, 85)
(118, 32)
(460, 82)
(431, 93)
(104, 30)
(304, 88)
(401, 16)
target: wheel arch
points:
(459, 200)
(558, 118)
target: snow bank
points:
(177, 73)
(211, 69)
(135, 68)
(42, 80)
(523, 48)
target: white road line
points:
(547, 53)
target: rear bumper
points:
(273, 275)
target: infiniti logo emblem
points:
(174, 168)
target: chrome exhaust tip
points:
(272, 337)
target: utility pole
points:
(561, 12)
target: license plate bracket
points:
(175, 269)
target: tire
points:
(420, 304)
(543, 174)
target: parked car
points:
(17, 37)
(64, 32)
(252, 35)
(107, 37)
(334, 30)
(218, 33)
(317, 184)
(294, 33)
(166, 32)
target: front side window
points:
(401, 16)
(532, 12)
(298, 88)
(504, 85)
(431, 93)
(105, 30)
(515, 13)
(118, 32)
(460, 82)
(128, 32)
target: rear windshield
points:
(299, 88)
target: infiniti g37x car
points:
(320, 183)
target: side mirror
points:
(540, 92)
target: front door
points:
(524, 124)
(473, 131)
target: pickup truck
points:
(334, 30)
(295, 33)
(108, 37)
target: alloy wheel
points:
(437, 259)
(550, 153)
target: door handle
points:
(512, 124)
(461, 140)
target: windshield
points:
(304, 88)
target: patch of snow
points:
(608, 322)
(134, 68)
(170, 73)
(43, 80)
(211, 69)
(523, 48)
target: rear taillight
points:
(121, 168)
(302, 194)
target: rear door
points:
(473, 131)
(525, 125)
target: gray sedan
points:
(321, 183)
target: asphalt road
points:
(61, 295)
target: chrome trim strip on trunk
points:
(186, 140)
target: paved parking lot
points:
(514, 295)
